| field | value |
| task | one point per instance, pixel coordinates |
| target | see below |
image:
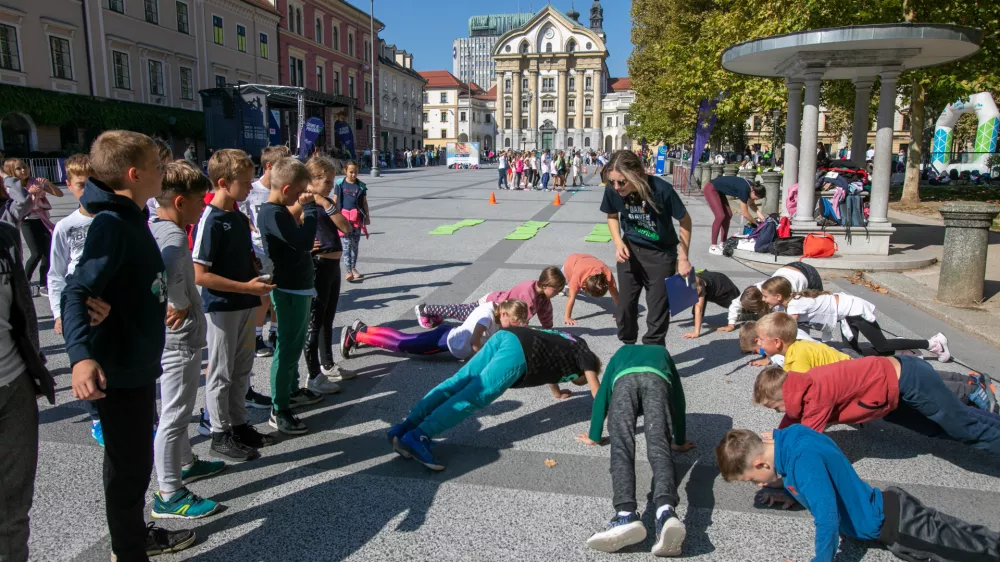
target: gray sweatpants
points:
(648, 395)
(178, 392)
(230, 360)
(19, 435)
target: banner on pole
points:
(310, 132)
(346, 136)
(661, 159)
(703, 129)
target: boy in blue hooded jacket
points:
(814, 471)
(116, 363)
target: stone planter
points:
(966, 241)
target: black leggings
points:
(39, 241)
(873, 333)
(319, 336)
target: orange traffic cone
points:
(493, 198)
(557, 202)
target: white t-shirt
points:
(257, 197)
(794, 276)
(68, 238)
(502, 162)
(546, 164)
(460, 338)
(828, 310)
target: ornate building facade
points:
(551, 81)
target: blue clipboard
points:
(681, 293)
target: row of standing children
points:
(534, 169)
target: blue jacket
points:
(820, 477)
(121, 263)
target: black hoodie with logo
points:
(121, 264)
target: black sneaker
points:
(303, 397)
(622, 531)
(262, 349)
(287, 423)
(670, 533)
(272, 340)
(226, 447)
(162, 541)
(248, 435)
(347, 341)
(257, 400)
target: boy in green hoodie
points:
(641, 380)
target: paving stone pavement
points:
(338, 493)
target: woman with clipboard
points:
(641, 210)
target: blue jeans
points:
(545, 180)
(927, 406)
(497, 366)
(502, 182)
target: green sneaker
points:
(201, 469)
(183, 505)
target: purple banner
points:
(703, 129)
(311, 131)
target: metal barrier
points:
(681, 179)
(48, 168)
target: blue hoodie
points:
(820, 477)
(121, 263)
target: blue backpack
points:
(767, 233)
(825, 215)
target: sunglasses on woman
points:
(619, 183)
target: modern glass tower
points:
(471, 60)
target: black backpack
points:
(767, 233)
(791, 246)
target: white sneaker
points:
(938, 344)
(323, 385)
(715, 250)
(334, 373)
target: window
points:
(444, 97)
(425, 117)
(336, 37)
(487, 120)
(571, 46)
(524, 85)
(155, 68)
(350, 87)
(461, 117)
(152, 11)
(220, 81)
(350, 44)
(572, 105)
(586, 141)
(187, 84)
(263, 46)
(62, 60)
(444, 133)
(587, 104)
(524, 122)
(336, 82)
(588, 83)
(570, 123)
(524, 105)
(320, 84)
(549, 84)
(217, 30)
(370, 94)
(586, 123)
(524, 47)
(318, 31)
(572, 82)
(444, 117)
(507, 105)
(296, 76)
(506, 142)
(625, 121)
(182, 17)
(10, 57)
(548, 105)
(117, 6)
(506, 123)
(241, 38)
(506, 85)
(548, 47)
(425, 98)
(610, 119)
(123, 75)
(298, 20)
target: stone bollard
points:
(730, 169)
(706, 173)
(966, 241)
(696, 176)
(748, 175)
(772, 183)
(668, 167)
(716, 171)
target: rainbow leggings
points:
(423, 343)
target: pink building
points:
(326, 45)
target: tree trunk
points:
(911, 185)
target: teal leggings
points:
(497, 366)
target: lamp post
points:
(375, 172)
(774, 148)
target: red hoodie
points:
(852, 391)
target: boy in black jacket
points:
(117, 362)
(287, 245)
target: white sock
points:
(259, 331)
(167, 495)
(624, 513)
(661, 509)
(274, 327)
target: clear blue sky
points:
(427, 29)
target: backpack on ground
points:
(729, 246)
(792, 246)
(784, 227)
(824, 213)
(818, 245)
(767, 233)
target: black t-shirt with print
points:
(719, 289)
(642, 224)
(552, 357)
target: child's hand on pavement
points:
(569, 321)
(691, 335)
(728, 328)
(762, 362)
(88, 380)
(773, 497)
(687, 446)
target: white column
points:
(883, 147)
(793, 130)
(859, 129)
(807, 151)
